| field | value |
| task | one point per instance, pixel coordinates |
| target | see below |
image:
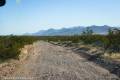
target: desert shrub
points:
(114, 40)
(8, 53)
(10, 45)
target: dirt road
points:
(51, 62)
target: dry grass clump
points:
(91, 49)
(115, 56)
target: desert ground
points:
(51, 62)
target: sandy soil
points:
(50, 62)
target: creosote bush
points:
(10, 46)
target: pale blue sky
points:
(34, 15)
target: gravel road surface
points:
(50, 62)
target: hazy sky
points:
(34, 15)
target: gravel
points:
(51, 62)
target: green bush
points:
(10, 46)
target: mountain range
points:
(72, 31)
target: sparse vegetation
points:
(10, 45)
(109, 42)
